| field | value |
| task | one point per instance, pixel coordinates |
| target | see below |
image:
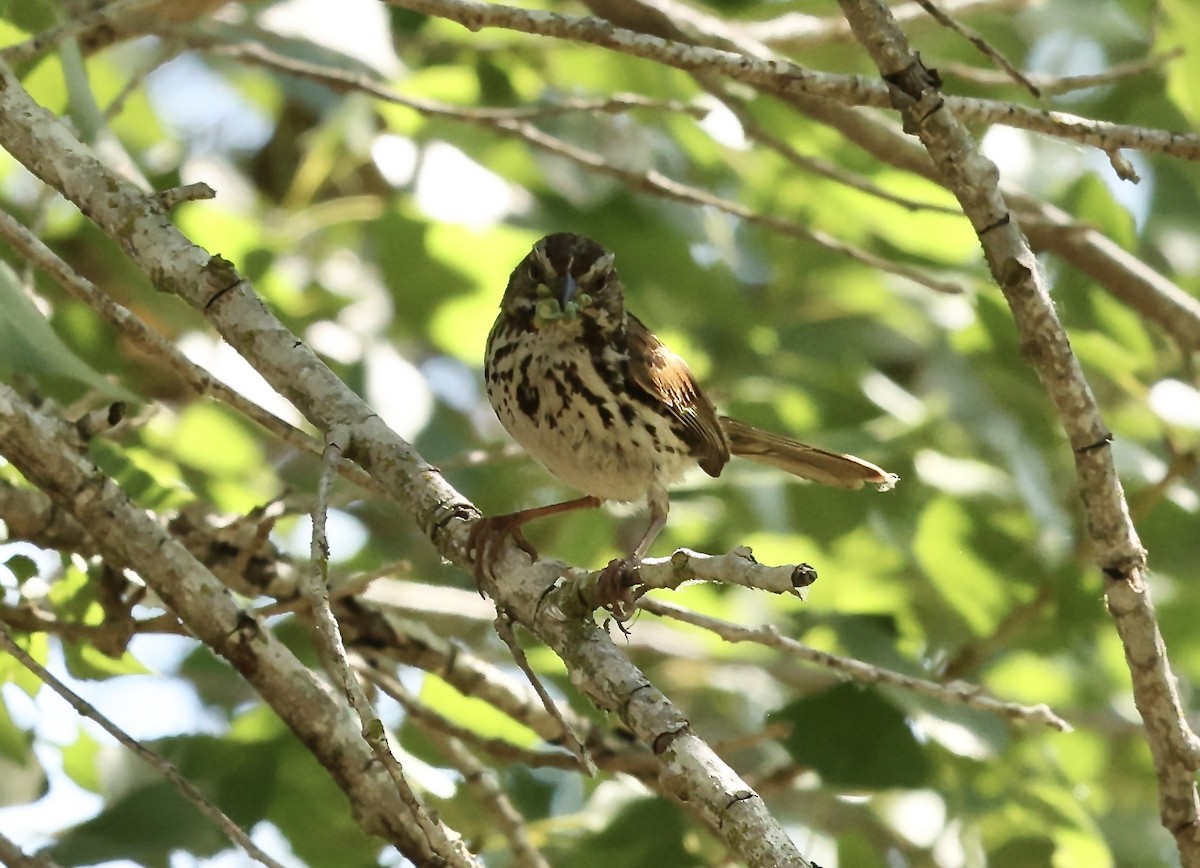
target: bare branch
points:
(11, 855)
(958, 692)
(985, 48)
(1054, 85)
(738, 567)
(651, 181)
(1119, 554)
(788, 79)
(691, 771)
(1103, 135)
(155, 345)
(186, 788)
(37, 446)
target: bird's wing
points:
(666, 377)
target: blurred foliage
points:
(384, 238)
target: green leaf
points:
(14, 741)
(85, 662)
(210, 439)
(22, 567)
(145, 826)
(145, 476)
(1181, 22)
(482, 718)
(73, 596)
(30, 15)
(80, 762)
(31, 347)
(36, 646)
(1093, 202)
(856, 850)
(946, 552)
(854, 738)
(648, 833)
(1023, 853)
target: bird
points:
(608, 409)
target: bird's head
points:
(566, 278)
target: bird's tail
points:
(800, 459)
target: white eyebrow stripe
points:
(604, 263)
(539, 254)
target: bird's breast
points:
(567, 403)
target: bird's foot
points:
(486, 538)
(615, 588)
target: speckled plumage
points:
(608, 409)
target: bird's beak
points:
(570, 287)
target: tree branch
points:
(186, 788)
(36, 445)
(867, 673)
(691, 771)
(787, 79)
(1119, 554)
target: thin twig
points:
(796, 30)
(985, 48)
(344, 80)
(185, 787)
(499, 748)
(317, 591)
(12, 856)
(967, 694)
(155, 346)
(489, 792)
(737, 567)
(651, 181)
(1055, 85)
(789, 79)
(15, 55)
(570, 738)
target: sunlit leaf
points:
(80, 762)
(87, 663)
(482, 718)
(944, 549)
(14, 742)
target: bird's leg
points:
(615, 585)
(487, 535)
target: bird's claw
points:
(485, 541)
(615, 589)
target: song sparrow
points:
(598, 400)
